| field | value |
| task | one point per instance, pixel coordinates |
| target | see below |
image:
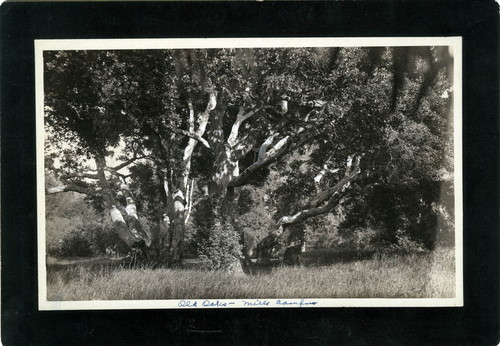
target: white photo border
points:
(130, 44)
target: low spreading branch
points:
(86, 175)
(135, 157)
(72, 188)
(307, 213)
(352, 170)
(317, 205)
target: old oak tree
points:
(177, 135)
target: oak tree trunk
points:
(128, 228)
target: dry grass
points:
(417, 275)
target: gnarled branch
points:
(351, 172)
(86, 175)
(240, 118)
(72, 188)
(317, 205)
(280, 149)
(202, 125)
(191, 135)
(307, 213)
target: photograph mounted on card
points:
(249, 172)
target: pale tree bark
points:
(227, 179)
(179, 189)
(324, 202)
(72, 188)
(227, 152)
(125, 221)
(127, 227)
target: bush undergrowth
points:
(220, 247)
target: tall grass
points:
(414, 275)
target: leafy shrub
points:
(84, 241)
(57, 227)
(219, 246)
(404, 244)
(101, 237)
(74, 244)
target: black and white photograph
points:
(249, 173)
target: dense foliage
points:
(219, 246)
(285, 137)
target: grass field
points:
(414, 275)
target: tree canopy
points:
(368, 130)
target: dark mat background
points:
(477, 323)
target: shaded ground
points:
(411, 275)
(312, 258)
